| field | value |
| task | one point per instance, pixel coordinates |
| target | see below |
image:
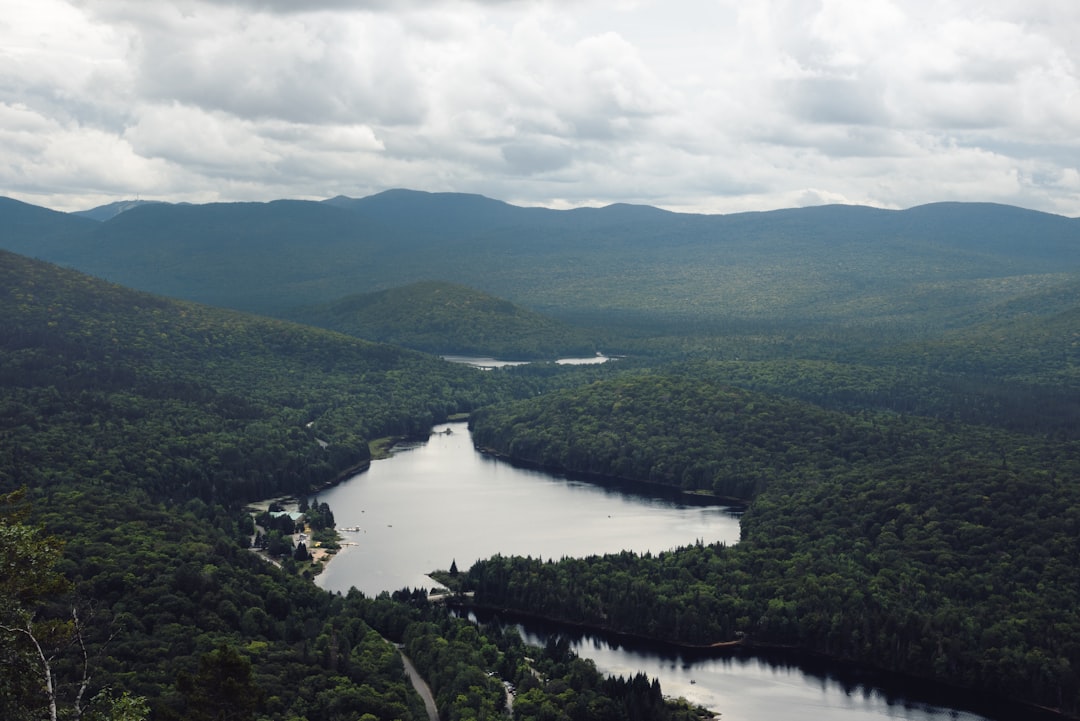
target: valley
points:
(893, 393)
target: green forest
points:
(134, 430)
(447, 318)
(893, 397)
(937, 549)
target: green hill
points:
(140, 426)
(39, 232)
(200, 391)
(1032, 339)
(912, 270)
(446, 318)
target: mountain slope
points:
(111, 210)
(206, 396)
(139, 426)
(447, 318)
(39, 232)
(1029, 343)
(923, 268)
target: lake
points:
(745, 686)
(441, 501)
(488, 363)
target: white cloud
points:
(46, 158)
(708, 105)
(208, 142)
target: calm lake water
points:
(762, 687)
(440, 501)
(487, 362)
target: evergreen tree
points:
(223, 688)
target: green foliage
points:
(455, 661)
(140, 427)
(1022, 348)
(125, 707)
(898, 384)
(936, 549)
(445, 318)
(102, 385)
(675, 430)
(895, 391)
(171, 588)
(222, 688)
(319, 516)
(32, 637)
(853, 266)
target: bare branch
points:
(85, 663)
(46, 663)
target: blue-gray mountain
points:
(927, 267)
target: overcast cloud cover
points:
(703, 105)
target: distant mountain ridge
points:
(832, 264)
(478, 211)
(111, 210)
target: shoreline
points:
(320, 557)
(379, 449)
(698, 496)
(744, 645)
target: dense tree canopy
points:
(446, 318)
(936, 548)
(219, 406)
(900, 416)
(140, 427)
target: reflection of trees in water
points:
(885, 695)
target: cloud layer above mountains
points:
(713, 106)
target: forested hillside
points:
(446, 318)
(138, 428)
(910, 542)
(1024, 348)
(221, 406)
(910, 271)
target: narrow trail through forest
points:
(420, 685)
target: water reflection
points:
(487, 363)
(781, 685)
(440, 501)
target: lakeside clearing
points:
(320, 552)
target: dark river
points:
(440, 501)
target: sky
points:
(711, 106)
